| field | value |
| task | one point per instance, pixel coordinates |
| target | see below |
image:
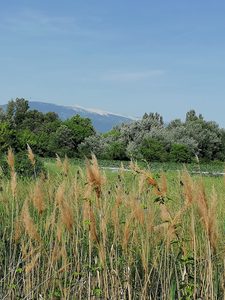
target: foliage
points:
(23, 166)
(148, 138)
(153, 150)
(180, 153)
(85, 233)
(7, 136)
(45, 133)
(93, 144)
(116, 151)
(81, 128)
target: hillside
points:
(102, 121)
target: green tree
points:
(116, 151)
(153, 150)
(16, 111)
(62, 142)
(180, 153)
(80, 128)
(7, 137)
(25, 137)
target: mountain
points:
(102, 121)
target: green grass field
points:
(84, 232)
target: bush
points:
(153, 150)
(180, 153)
(116, 151)
(23, 166)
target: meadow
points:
(83, 232)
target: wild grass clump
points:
(84, 234)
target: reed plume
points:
(30, 266)
(30, 155)
(94, 176)
(11, 160)
(66, 215)
(58, 161)
(38, 198)
(208, 214)
(28, 223)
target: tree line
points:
(46, 133)
(153, 140)
(149, 138)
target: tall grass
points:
(90, 235)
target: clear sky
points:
(123, 56)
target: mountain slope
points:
(102, 121)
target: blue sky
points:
(123, 56)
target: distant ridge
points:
(102, 121)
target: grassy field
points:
(216, 166)
(86, 233)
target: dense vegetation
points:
(146, 139)
(83, 234)
(152, 140)
(45, 133)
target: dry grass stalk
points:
(28, 223)
(202, 205)
(38, 198)
(208, 214)
(115, 217)
(58, 161)
(60, 194)
(11, 160)
(66, 215)
(64, 255)
(28, 250)
(163, 185)
(138, 212)
(115, 208)
(55, 254)
(212, 223)
(59, 232)
(141, 183)
(13, 183)
(17, 230)
(148, 177)
(122, 170)
(65, 209)
(50, 222)
(89, 219)
(102, 254)
(126, 233)
(65, 166)
(85, 211)
(188, 186)
(94, 176)
(88, 192)
(93, 228)
(30, 266)
(30, 155)
(168, 226)
(167, 232)
(165, 214)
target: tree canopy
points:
(148, 138)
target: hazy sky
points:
(123, 56)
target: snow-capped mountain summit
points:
(102, 121)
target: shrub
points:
(116, 151)
(180, 153)
(23, 166)
(153, 150)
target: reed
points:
(84, 234)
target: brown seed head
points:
(38, 198)
(28, 223)
(11, 160)
(30, 155)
